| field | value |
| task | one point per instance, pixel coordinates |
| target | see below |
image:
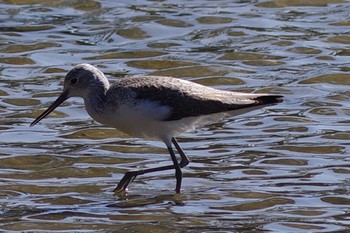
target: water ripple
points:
(281, 169)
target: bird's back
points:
(188, 99)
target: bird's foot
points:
(125, 181)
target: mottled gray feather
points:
(187, 99)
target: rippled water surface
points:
(285, 168)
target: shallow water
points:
(281, 169)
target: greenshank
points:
(154, 107)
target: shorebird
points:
(153, 107)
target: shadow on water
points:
(283, 168)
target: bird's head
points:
(80, 81)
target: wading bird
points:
(153, 107)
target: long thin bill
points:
(54, 105)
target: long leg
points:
(130, 176)
(184, 158)
(178, 172)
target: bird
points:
(153, 107)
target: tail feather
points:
(269, 99)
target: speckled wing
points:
(187, 99)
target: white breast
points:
(140, 119)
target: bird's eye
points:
(74, 81)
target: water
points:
(281, 169)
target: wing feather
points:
(187, 99)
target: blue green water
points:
(284, 168)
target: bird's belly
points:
(141, 120)
(157, 129)
(138, 127)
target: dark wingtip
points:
(270, 99)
